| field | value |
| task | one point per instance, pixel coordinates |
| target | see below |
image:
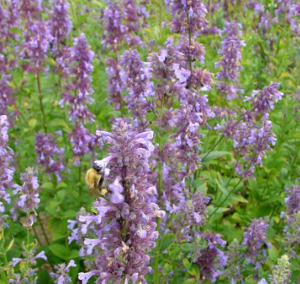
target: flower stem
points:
(226, 198)
(41, 100)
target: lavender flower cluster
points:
(79, 61)
(125, 221)
(6, 168)
(230, 61)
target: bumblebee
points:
(95, 180)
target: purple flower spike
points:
(136, 77)
(254, 239)
(6, 158)
(263, 100)
(28, 199)
(80, 60)
(189, 16)
(207, 257)
(61, 276)
(82, 141)
(35, 46)
(230, 61)
(59, 23)
(125, 220)
(49, 156)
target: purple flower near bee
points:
(50, 157)
(82, 141)
(126, 219)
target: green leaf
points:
(32, 122)
(238, 198)
(195, 271)
(47, 185)
(186, 263)
(61, 185)
(187, 247)
(165, 242)
(213, 155)
(58, 236)
(59, 250)
(189, 281)
(73, 254)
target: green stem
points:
(155, 270)
(225, 198)
(41, 100)
(79, 178)
(190, 42)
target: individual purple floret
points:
(35, 46)
(50, 157)
(125, 219)
(6, 158)
(254, 240)
(230, 61)
(80, 60)
(262, 281)
(61, 275)
(28, 194)
(82, 142)
(211, 258)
